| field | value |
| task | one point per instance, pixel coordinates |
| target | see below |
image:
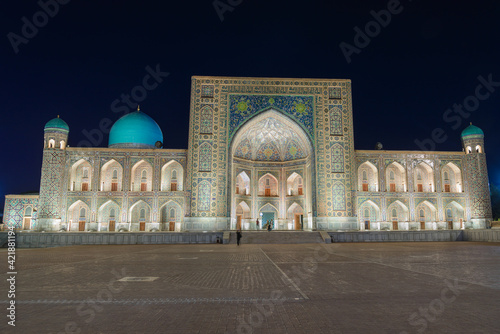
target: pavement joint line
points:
(159, 301)
(288, 278)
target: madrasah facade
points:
(280, 151)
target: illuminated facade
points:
(277, 150)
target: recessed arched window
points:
(82, 212)
(478, 149)
(62, 144)
(52, 143)
(367, 213)
(394, 213)
(28, 211)
(115, 173)
(391, 175)
(446, 176)
(112, 213)
(144, 174)
(365, 176)
(172, 213)
(448, 213)
(419, 175)
(422, 213)
(85, 172)
(469, 149)
(142, 214)
(174, 174)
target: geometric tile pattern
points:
(15, 208)
(336, 121)
(339, 197)
(337, 158)
(205, 157)
(204, 195)
(298, 108)
(206, 119)
(207, 91)
(335, 93)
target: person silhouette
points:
(238, 237)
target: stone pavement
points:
(300, 288)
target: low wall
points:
(42, 240)
(397, 236)
(492, 235)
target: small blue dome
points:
(472, 132)
(135, 130)
(56, 124)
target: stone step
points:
(278, 237)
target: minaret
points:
(51, 184)
(477, 176)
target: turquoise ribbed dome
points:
(135, 130)
(56, 124)
(472, 131)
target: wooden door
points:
(450, 225)
(268, 192)
(142, 226)
(298, 226)
(238, 222)
(81, 226)
(395, 225)
(422, 225)
(143, 186)
(301, 191)
(367, 224)
(365, 186)
(237, 190)
(446, 188)
(171, 226)
(114, 186)
(85, 186)
(392, 187)
(27, 224)
(461, 223)
(111, 227)
(420, 188)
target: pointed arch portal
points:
(277, 156)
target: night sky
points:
(404, 78)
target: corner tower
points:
(54, 149)
(477, 176)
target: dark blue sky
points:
(427, 59)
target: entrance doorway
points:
(81, 225)
(450, 225)
(142, 226)
(422, 225)
(111, 227)
(367, 224)
(238, 222)
(267, 219)
(171, 226)
(395, 225)
(298, 222)
(27, 224)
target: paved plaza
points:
(451, 287)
